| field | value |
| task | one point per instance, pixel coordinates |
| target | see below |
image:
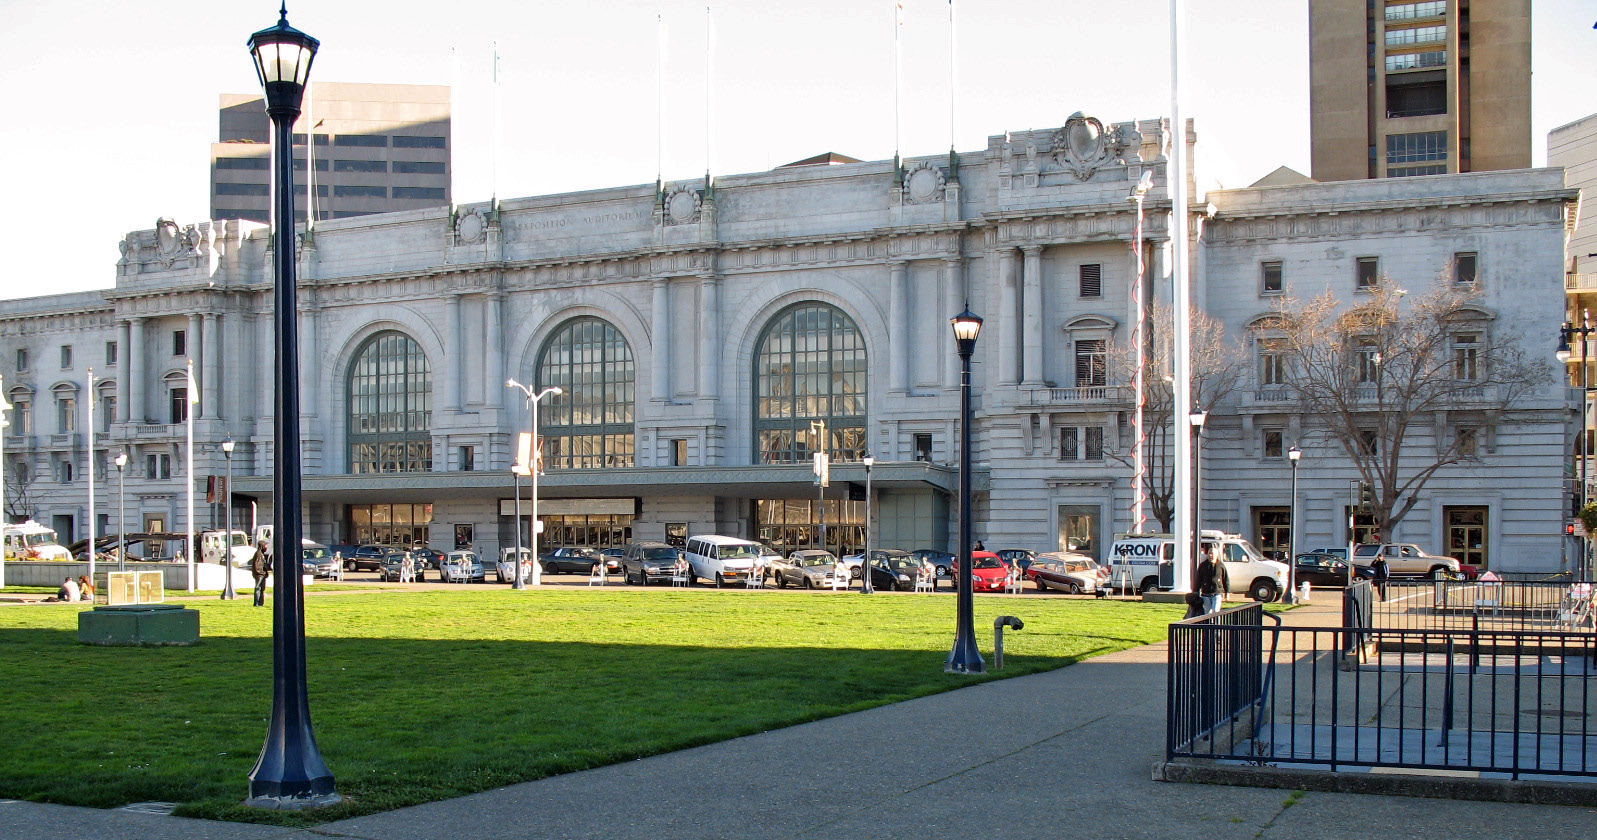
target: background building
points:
(378, 148)
(700, 332)
(1418, 88)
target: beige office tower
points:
(1418, 88)
(378, 148)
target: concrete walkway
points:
(1063, 754)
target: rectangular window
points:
(1092, 363)
(1069, 443)
(1094, 448)
(110, 354)
(468, 458)
(1420, 99)
(1410, 11)
(1414, 61)
(1272, 443)
(1466, 356)
(179, 405)
(256, 164)
(923, 447)
(299, 166)
(66, 357)
(1415, 35)
(321, 140)
(1368, 273)
(22, 359)
(1272, 364)
(107, 412)
(63, 471)
(22, 418)
(352, 191)
(418, 167)
(1468, 441)
(369, 141)
(360, 166)
(1415, 171)
(428, 193)
(1368, 361)
(1464, 267)
(1271, 281)
(679, 453)
(1419, 147)
(1081, 443)
(1091, 280)
(180, 343)
(66, 415)
(402, 141)
(242, 189)
(158, 466)
(1369, 442)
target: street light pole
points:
(5, 406)
(1197, 418)
(228, 594)
(121, 512)
(1568, 332)
(533, 459)
(291, 773)
(1139, 492)
(865, 568)
(966, 656)
(1293, 455)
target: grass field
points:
(426, 695)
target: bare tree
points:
(22, 496)
(1218, 365)
(1375, 375)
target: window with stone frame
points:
(589, 425)
(1272, 443)
(390, 391)
(1465, 265)
(1091, 280)
(1466, 356)
(1272, 280)
(809, 367)
(1367, 273)
(1368, 359)
(66, 409)
(1092, 363)
(1081, 443)
(1467, 441)
(1272, 362)
(1369, 442)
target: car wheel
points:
(1440, 573)
(1072, 589)
(809, 582)
(719, 581)
(1148, 584)
(548, 568)
(942, 571)
(1264, 591)
(781, 581)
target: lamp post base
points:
(293, 803)
(965, 659)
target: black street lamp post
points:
(1293, 455)
(228, 593)
(966, 656)
(290, 773)
(121, 512)
(865, 568)
(1566, 334)
(1197, 419)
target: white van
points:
(721, 559)
(32, 541)
(1136, 558)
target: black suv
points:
(647, 562)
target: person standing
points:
(1382, 572)
(260, 568)
(1212, 581)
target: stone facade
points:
(1032, 231)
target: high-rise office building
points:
(1403, 88)
(377, 149)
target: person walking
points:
(1382, 573)
(260, 568)
(1212, 581)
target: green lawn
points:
(420, 696)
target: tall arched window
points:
(810, 367)
(590, 425)
(390, 406)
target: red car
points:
(989, 572)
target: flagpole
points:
(1181, 295)
(659, 101)
(89, 412)
(951, 75)
(898, 84)
(310, 168)
(709, 94)
(188, 470)
(498, 128)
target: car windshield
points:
(986, 563)
(316, 553)
(38, 539)
(902, 562)
(732, 552)
(810, 560)
(662, 554)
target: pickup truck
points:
(1408, 560)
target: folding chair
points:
(1013, 580)
(840, 577)
(926, 580)
(756, 578)
(681, 575)
(596, 577)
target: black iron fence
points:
(1509, 703)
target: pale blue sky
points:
(115, 103)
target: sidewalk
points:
(1066, 753)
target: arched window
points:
(810, 366)
(590, 425)
(390, 406)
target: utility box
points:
(138, 625)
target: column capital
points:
(1031, 250)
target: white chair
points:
(681, 575)
(926, 579)
(840, 576)
(596, 577)
(1575, 613)
(1013, 580)
(756, 578)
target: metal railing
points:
(1530, 605)
(1513, 703)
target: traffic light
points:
(1366, 497)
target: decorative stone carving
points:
(167, 238)
(681, 206)
(1083, 146)
(924, 184)
(470, 227)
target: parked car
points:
(941, 560)
(644, 563)
(505, 569)
(720, 558)
(316, 560)
(1326, 571)
(989, 572)
(1068, 572)
(1408, 560)
(1023, 556)
(368, 558)
(810, 568)
(458, 564)
(853, 562)
(1337, 552)
(612, 559)
(389, 570)
(574, 559)
(893, 570)
(424, 554)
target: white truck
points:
(32, 541)
(213, 543)
(1135, 561)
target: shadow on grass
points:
(407, 721)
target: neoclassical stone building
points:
(701, 334)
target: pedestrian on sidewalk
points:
(260, 569)
(1382, 573)
(1212, 581)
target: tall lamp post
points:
(965, 657)
(1197, 418)
(5, 406)
(533, 398)
(865, 568)
(1566, 334)
(290, 773)
(122, 511)
(1139, 470)
(228, 594)
(1293, 456)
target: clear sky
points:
(114, 104)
